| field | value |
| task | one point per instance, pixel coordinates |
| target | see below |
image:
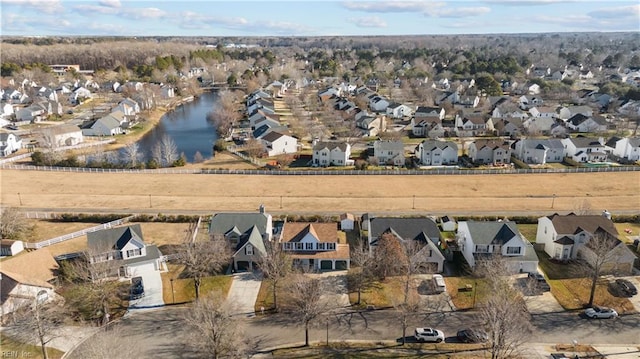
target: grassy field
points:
(466, 299)
(382, 350)
(574, 294)
(184, 290)
(15, 349)
(466, 194)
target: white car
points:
(600, 313)
(439, 283)
(429, 335)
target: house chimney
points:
(606, 214)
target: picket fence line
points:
(68, 236)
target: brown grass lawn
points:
(574, 294)
(528, 231)
(634, 227)
(15, 349)
(382, 294)
(265, 296)
(44, 229)
(195, 192)
(383, 349)
(466, 299)
(184, 289)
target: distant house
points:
(9, 143)
(495, 152)
(424, 111)
(508, 126)
(108, 125)
(422, 230)
(582, 123)
(315, 246)
(33, 113)
(246, 233)
(347, 221)
(584, 149)
(126, 245)
(424, 126)
(566, 113)
(10, 247)
(378, 104)
(277, 143)
(539, 151)
(398, 110)
(567, 237)
(478, 240)
(628, 148)
(437, 153)
(472, 125)
(389, 152)
(331, 154)
(26, 278)
(60, 136)
(370, 125)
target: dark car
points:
(626, 287)
(472, 336)
(137, 288)
(540, 281)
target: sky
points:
(312, 18)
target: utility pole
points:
(553, 200)
(20, 198)
(414, 202)
(150, 206)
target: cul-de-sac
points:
(377, 179)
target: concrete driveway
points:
(152, 282)
(635, 300)
(244, 293)
(336, 284)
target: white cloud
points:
(95, 9)
(390, 6)
(632, 11)
(45, 6)
(368, 22)
(110, 3)
(527, 2)
(142, 13)
(457, 12)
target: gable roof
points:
(433, 144)
(33, 268)
(114, 238)
(253, 237)
(221, 223)
(585, 142)
(330, 146)
(404, 228)
(492, 232)
(572, 223)
(323, 232)
(492, 144)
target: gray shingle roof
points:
(114, 238)
(330, 146)
(492, 232)
(222, 223)
(405, 228)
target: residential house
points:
(128, 107)
(480, 240)
(398, 110)
(582, 123)
(533, 89)
(370, 125)
(265, 126)
(10, 247)
(260, 119)
(474, 124)
(9, 143)
(566, 113)
(277, 88)
(167, 92)
(33, 113)
(331, 154)
(6, 110)
(507, 126)
(277, 143)
(585, 75)
(60, 136)
(347, 222)
(539, 151)
(542, 112)
(109, 125)
(540, 125)
(422, 230)
(567, 237)
(469, 101)
(25, 279)
(584, 149)
(315, 246)
(628, 148)
(378, 104)
(423, 111)
(389, 152)
(437, 153)
(80, 95)
(126, 247)
(495, 152)
(431, 127)
(559, 75)
(451, 97)
(246, 233)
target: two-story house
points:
(315, 245)
(389, 152)
(9, 143)
(277, 143)
(478, 240)
(423, 231)
(584, 149)
(331, 154)
(246, 233)
(437, 153)
(628, 148)
(539, 151)
(495, 152)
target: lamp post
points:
(280, 202)
(20, 198)
(150, 201)
(173, 294)
(414, 202)
(327, 331)
(553, 200)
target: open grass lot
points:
(184, 290)
(382, 294)
(633, 227)
(529, 231)
(194, 192)
(46, 229)
(466, 299)
(574, 294)
(15, 349)
(382, 350)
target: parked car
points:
(440, 285)
(558, 356)
(540, 281)
(429, 335)
(600, 313)
(626, 287)
(472, 336)
(137, 288)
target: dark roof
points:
(114, 238)
(564, 240)
(330, 145)
(405, 228)
(492, 232)
(577, 119)
(222, 223)
(572, 223)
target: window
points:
(482, 249)
(320, 246)
(331, 246)
(514, 250)
(133, 252)
(299, 246)
(308, 246)
(249, 250)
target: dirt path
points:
(329, 194)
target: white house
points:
(79, 95)
(331, 154)
(496, 152)
(424, 111)
(9, 143)
(378, 104)
(33, 113)
(542, 112)
(566, 237)
(628, 148)
(539, 125)
(472, 125)
(477, 240)
(277, 143)
(389, 152)
(565, 113)
(128, 107)
(104, 126)
(60, 136)
(315, 245)
(582, 123)
(585, 149)
(448, 223)
(6, 110)
(437, 153)
(125, 245)
(539, 151)
(398, 110)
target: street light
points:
(553, 200)
(414, 201)
(173, 294)
(20, 198)
(150, 201)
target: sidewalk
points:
(244, 293)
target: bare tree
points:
(204, 258)
(599, 255)
(131, 154)
(39, 321)
(361, 275)
(407, 309)
(306, 302)
(215, 333)
(504, 313)
(197, 157)
(109, 343)
(13, 223)
(165, 152)
(275, 265)
(389, 257)
(254, 148)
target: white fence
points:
(57, 149)
(68, 236)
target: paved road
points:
(161, 334)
